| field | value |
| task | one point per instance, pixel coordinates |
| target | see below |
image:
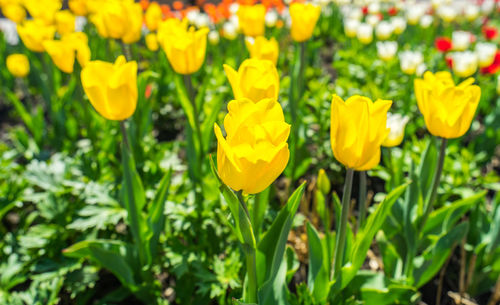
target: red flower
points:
(148, 91)
(449, 61)
(494, 67)
(365, 10)
(443, 44)
(392, 11)
(490, 32)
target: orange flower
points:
(178, 5)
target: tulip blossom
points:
(65, 22)
(426, 21)
(490, 32)
(255, 150)
(252, 19)
(358, 128)
(386, 50)
(384, 30)
(365, 33)
(443, 44)
(153, 16)
(464, 63)
(396, 124)
(18, 65)
(14, 11)
(485, 52)
(34, 32)
(410, 60)
(185, 48)
(399, 24)
(351, 27)
(304, 18)
(494, 67)
(111, 88)
(262, 48)
(255, 80)
(448, 109)
(460, 40)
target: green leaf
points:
(445, 217)
(156, 214)
(365, 237)
(427, 167)
(134, 199)
(184, 101)
(272, 246)
(431, 261)
(317, 276)
(107, 253)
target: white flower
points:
(414, 13)
(396, 124)
(384, 30)
(471, 11)
(421, 69)
(426, 21)
(230, 30)
(202, 20)
(460, 40)
(485, 52)
(351, 27)
(372, 19)
(488, 6)
(399, 24)
(192, 15)
(365, 33)
(271, 18)
(447, 12)
(374, 8)
(410, 60)
(233, 8)
(464, 63)
(80, 23)
(8, 27)
(386, 50)
(213, 37)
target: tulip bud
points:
(324, 184)
(111, 88)
(426, 21)
(460, 40)
(448, 109)
(365, 33)
(213, 37)
(409, 61)
(396, 124)
(34, 32)
(252, 19)
(255, 80)
(14, 12)
(271, 18)
(153, 16)
(358, 128)
(447, 12)
(384, 30)
(304, 18)
(185, 48)
(65, 22)
(485, 52)
(152, 42)
(255, 150)
(399, 25)
(230, 30)
(387, 50)
(18, 65)
(261, 48)
(351, 27)
(464, 63)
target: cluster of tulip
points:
(261, 135)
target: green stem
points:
(190, 91)
(435, 184)
(362, 198)
(126, 51)
(341, 234)
(250, 253)
(124, 135)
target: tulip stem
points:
(362, 198)
(125, 135)
(251, 295)
(341, 232)
(435, 184)
(191, 95)
(126, 51)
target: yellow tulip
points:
(261, 48)
(43, 9)
(252, 19)
(255, 150)
(153, 16)
(185, 48)
(78, 7)
(119, 20)
(14, 12)
(65, 22)
(111, 88)
(358, 128)
(34, 32)
(255, 80)
(448, 109)
(62, 52)
(304, 17)
(18, 65)
(152, 42)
